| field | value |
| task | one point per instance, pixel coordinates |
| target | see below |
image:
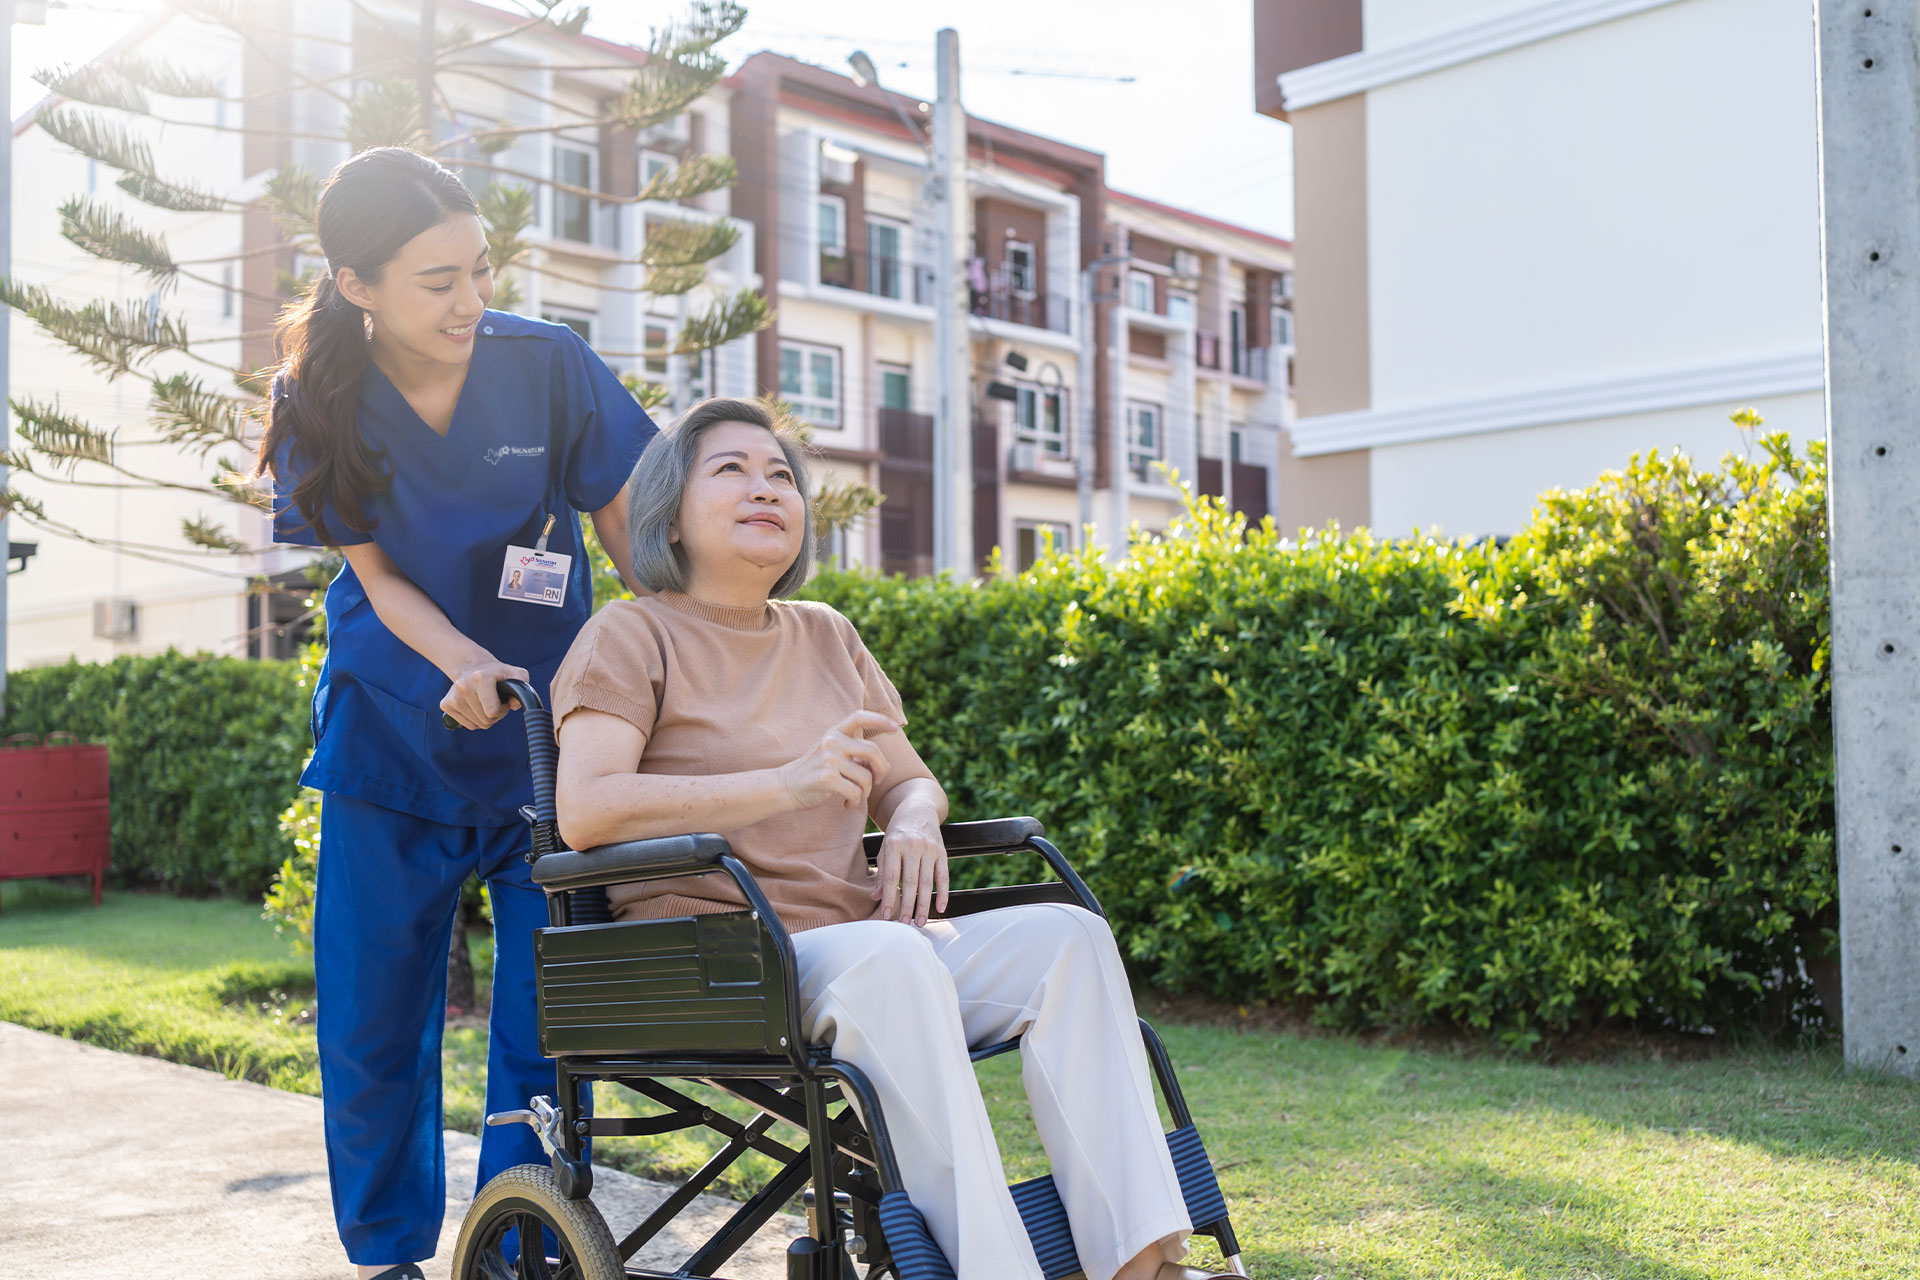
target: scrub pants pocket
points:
(383, 917)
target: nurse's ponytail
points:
(368, 210)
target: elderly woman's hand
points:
(913, 866)
(843, 767)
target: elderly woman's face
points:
(741, 503)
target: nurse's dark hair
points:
(369, 208)
(653, 495)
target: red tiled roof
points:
(1201, 219)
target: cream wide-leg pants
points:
(903, 1004)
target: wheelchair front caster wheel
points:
(524, 1205)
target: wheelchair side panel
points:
(687, 985)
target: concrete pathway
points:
(115, 1165)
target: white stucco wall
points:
(1631, 197)
(1487, 484)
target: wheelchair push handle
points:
(519, 689)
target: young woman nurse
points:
(447, 450)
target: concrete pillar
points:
(1869, 104)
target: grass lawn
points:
(1342, 1159)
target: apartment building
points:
(94, 600)
(1537, 238)
(1176, 354)
(1206, 307)
(1175, 351)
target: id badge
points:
(532, 576)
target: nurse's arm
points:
(411, 614)
(610, 525)
(599, 797)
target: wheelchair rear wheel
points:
(525, 1199)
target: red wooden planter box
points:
(53, 810)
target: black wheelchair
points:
(711, 999)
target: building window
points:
(1145, 440)
(226, 292)
(1020, 268)
(656, 366)
(580, 324)
(1180, 306)
(1035, 538)
(1040, 418)
(652, 165)
(1235, 443)
(1282, 327)
(1140, 290)
(573, 214)
(810, 382)
(896, 387)
(833, 226)
(883, 257)
(1237, 341)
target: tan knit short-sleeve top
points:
(728, 690)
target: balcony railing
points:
(883, 277)
(1037, 310)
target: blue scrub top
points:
(542, 427)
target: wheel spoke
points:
(533, 1249)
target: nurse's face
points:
(741, 512)
(430, 296)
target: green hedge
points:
(1585, 777)
(206, 753)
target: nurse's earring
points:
(366, 324)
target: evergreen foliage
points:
(1417, 782)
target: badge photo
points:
(532, 576)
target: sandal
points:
(405, 1271)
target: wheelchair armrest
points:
(631, 860)
(965, 839)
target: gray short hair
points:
(660, 480)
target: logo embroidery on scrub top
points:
(493, 456)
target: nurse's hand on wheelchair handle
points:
(473, 703)
(843, 767)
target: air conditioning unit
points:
(1024, 457)
(116, 619)
(1282, 288)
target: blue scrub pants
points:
(383, 914)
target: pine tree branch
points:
(59, 437)
(692, 177)
(672, 281)
(233, 15)
(385, 112)
(113, 337)
(292, 195)
(187, 414)
(116, 148)
(723, 322)
(650, 395)
(164, 78)
(97, 84)
(682, 242)
(205, 533)
(102, 232)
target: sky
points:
(1170, 103)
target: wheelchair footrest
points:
(917, 1257)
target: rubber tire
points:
(578, 1224)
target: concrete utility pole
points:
(1869, 76)
(6, 313)
(953, 357)
(1090, 299)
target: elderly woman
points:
(715, 704)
